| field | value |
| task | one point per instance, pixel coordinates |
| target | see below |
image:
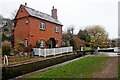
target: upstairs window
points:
(42, 25)
(57, 29)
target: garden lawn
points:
(82, 68)
(87, 48)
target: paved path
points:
(110, 69)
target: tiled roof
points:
(41, 15)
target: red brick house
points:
(32, 26)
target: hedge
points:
(17, 70)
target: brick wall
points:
(46, 34)
(26, 25)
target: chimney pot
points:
(25, 4)
(53, 7)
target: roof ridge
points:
(37, 10)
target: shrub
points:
(37, 44)
(19, 47)
(14, 71)
(28, 50)
(6, 48)
(72, 43)
(5, 37)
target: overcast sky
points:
(79, 13)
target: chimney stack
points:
(54, 13)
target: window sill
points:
(57, 32)
(42, 29)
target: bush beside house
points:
(6, 48)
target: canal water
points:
(112, 54)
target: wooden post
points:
(67, 49)
(44, 52)
(61, 50)
(6, 59)
(39, 51)
(81, 48)
(54, 51)
(98, 48)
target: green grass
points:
(82, 68)
(119, 71)
(87, 48)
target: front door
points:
(51, 43)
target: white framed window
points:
(57, 28)
(26, 43)
(42, 25)
(42, 43)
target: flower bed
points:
(17, 59)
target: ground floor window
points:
(26, 43)
(42, 43)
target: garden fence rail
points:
(52, 51)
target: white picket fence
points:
(52, 51)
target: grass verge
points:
(118, 71)
(82, 68)
(87, 48)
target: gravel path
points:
(110, 69)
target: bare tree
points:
(71, 29)
(13, 14)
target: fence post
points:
(54, 51)
(44, 52)
(60, 50)
(6, 59)
(67, 49)
(71, 49)
(98, 48)
(81, 48)
(39, 52)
